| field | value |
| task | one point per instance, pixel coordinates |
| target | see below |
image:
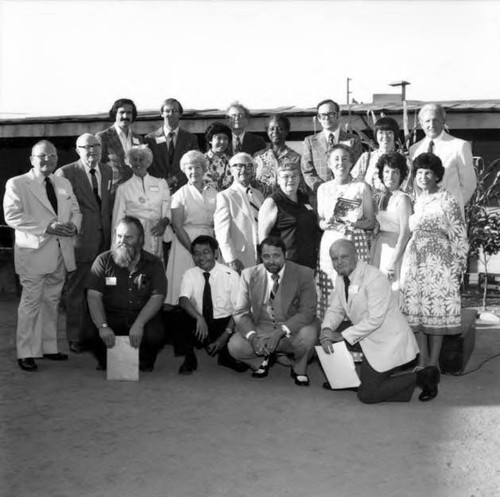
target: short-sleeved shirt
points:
(123, 291)
(224, 283)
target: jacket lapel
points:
(86, 187)
(38, 190)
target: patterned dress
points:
(266, 163)
(329, 194)
(218, 174)
(433, 263)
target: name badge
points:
(353, 289)
(308, 207)
(154, 188)
(110, 280)
(161, 139)
(135, 141)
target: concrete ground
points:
(67, 432)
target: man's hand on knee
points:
(135, 335)
(201, 331)
(274, 339)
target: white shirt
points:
(336, 135)
(224, 283)
(167, 131)
(125, 139)
(235, 139)
(97, 177)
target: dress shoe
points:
(58, 356)
(263, 370)
(428, 379)
(189, 365)
(301, 380)
(76, 348)
(27, 364)
(428, 393)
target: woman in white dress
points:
(193, 208)
(147, 198)
(394, 210)
(345, 210)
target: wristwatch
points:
(104, 325)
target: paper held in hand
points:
(339, 366)
(123, 361)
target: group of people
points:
(254, 252)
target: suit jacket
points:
(456, 155)
(235, 225)
(251, 144)
(377, 323)
(111, 144)
(94, 217)
(314, 157)
(298, 297)
(28, 210)
(161, 167)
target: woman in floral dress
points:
(433, 262)
(218, 175)
(345, 210)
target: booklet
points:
(346, 210)
(338, 367)
(123, 360)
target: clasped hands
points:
(266, 345)
(61, 229)
(201, 333)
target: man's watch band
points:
(104, 325)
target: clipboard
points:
(338, 367)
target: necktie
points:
(253, 206)
(170, 147)
(331, 140)
(384, 200)
(237, 149)
(430, 150)
(95, 186)
(347, 282)
(51, 194)
(208, 307)
(276, 284)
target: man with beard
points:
(91, 184)
(168, 144)
(117, 140)
(275, 314)
(126, 289)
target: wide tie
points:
(430, 150)
(347, 282)
(208, 307)
(237, 149)
(253, 206)
(331, 140)
(171, 147)
(51, 194)
(276, 284)
(95, 186)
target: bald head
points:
(344, 257)
(88, 148)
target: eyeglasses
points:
(46, 156)
(89, 147)
(328, 115)
(236, 116)
(242, 166)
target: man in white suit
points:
(455, 154)
(363, 295)
(45, 214)
(236, 215)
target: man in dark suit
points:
(238, 117)
(91, 184)
(275, 314)
(315, 153)
(117, 140)
(168, 144)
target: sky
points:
(77, 57)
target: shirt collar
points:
(438, 138)
(335, 133)
(120, 131)
(167, 130)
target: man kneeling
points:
(126, 289)
(364, 295)
(208, 298)
(276, 314)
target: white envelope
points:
(123, 361)
(338, 367)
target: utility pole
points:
(348, 92)
(403, 85)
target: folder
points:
(123, 360)
(338, 367)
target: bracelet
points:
(250, 334)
